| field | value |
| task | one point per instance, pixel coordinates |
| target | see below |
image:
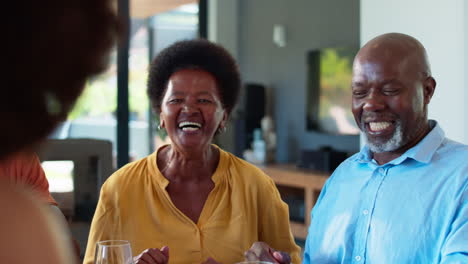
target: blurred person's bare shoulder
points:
(30, 234)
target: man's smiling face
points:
(389, 103)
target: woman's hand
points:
(262, 251)
(210, 261)
(153, 256)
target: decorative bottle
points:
(258, 146)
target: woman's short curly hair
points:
(199, 54)
(51, 49)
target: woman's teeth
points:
(189, 126)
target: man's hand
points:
(262, 251)
(153, 256)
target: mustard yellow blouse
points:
(243, 207)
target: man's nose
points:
(374, 101)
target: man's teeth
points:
(377, 126)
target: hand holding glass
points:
(254, 262)
(113, 252)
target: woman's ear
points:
(224, 120)
(161, 117)
(222, 125)
(161, 122)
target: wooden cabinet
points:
(310, 181)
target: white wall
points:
(466, 68)
(223, 24)
(245, 27)
(223, 29)
(442, 27)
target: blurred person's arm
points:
(57, 213)
(30, 170)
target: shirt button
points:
(357, 258)
(382, 171)
(365, 212)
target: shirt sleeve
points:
(455, 249)
(102, 226)
(30, 170)
(275, 229)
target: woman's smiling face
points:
(191, 109)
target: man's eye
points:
(390, 91)
(359, 94)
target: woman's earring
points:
(161, 124)
(221, 129)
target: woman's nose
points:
(188, 107)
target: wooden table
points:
(310, 181)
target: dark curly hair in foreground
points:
(195, 54)
(51, 48)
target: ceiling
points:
(147, 8)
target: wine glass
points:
(113, 252)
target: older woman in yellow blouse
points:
(191, 201)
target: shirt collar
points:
(154, 170)
(422, 152)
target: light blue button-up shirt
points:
(413, 209)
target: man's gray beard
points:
(394, 143)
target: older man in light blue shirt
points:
(413, 209)
(404, 197)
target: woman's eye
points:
(204, 100)
(175, 100)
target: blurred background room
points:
(295, 59)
